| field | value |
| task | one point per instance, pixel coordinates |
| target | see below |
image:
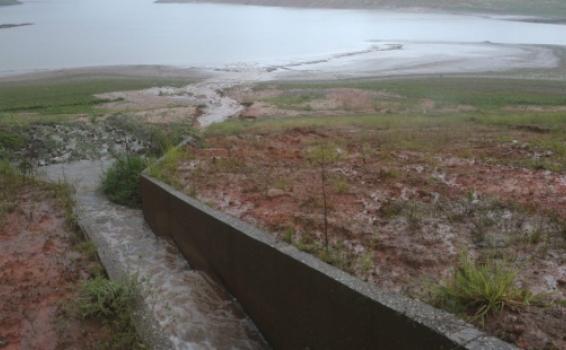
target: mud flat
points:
(410, 58)
(212, 105)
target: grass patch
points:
(70, 95)
(10, 185)
(546, 121)
(482, 93)
(481, 289)
(160, 137)
(478, 136)
(121, 181)
(166, 168)
(113, 303)
(10, 140)
(233, 126)
(294, 100)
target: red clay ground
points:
(400, 218)
(40, 269)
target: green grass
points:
(10, 140)
(166, 168)
(297, 100)
(481, 290)
(121, 182)
(234, 127)
(483, 93)
(431, 134)
(114, 304)
(160, 137)
(69, 95)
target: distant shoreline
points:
(7, 26)
(9, 2)
(538, 14)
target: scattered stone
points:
(275, 192)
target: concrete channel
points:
(181, 308)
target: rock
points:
(275, 192)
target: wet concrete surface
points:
(182, 308)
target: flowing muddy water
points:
(182, 308)
(81, 33)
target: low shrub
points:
(121, 181)
(481, 289)
(112, 303)
(165, 169)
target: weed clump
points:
(121, 181)
(165, 169)
(481, 289)
(112, 303)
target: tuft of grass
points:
(288, 235)
(10, 185)
(166, 168)
(105, 299)
(481, 289)
(88, 249)
(121, 182)
(341, 185)
(365, 263)
(114, 304)
(10, 140)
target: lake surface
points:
(81, 33)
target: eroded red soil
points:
(396, 218)
(39, 273)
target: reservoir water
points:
(83, 33)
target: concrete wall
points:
(297, 301)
